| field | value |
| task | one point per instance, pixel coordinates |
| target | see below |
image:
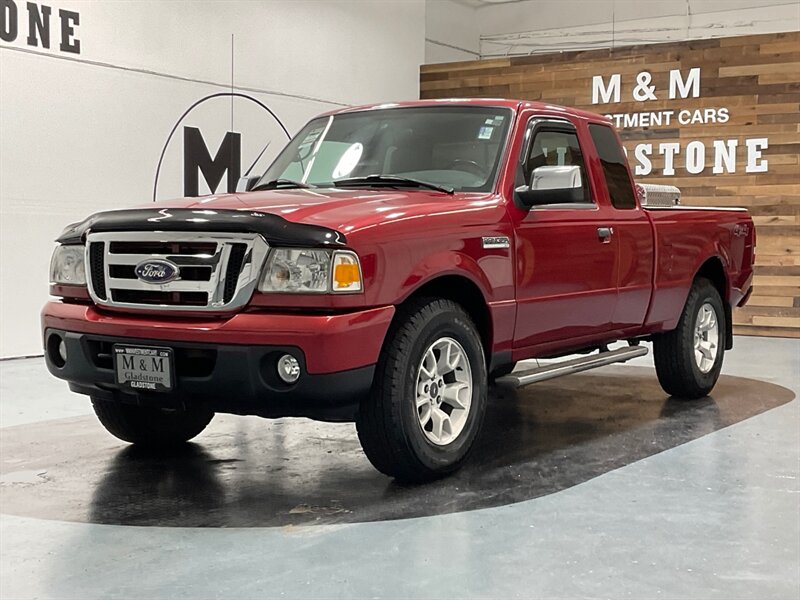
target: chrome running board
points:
(568, 367)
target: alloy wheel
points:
(444, 391)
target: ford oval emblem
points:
(157, 270)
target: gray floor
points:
(715, 517)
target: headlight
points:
(66, 266)
(311, 271)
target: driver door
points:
(566, 258)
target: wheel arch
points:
(465, 292)
(713, 269)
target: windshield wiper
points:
(281, 183)
(390, 181)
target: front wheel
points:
(689, 359)
(151, 426)
(429, 394)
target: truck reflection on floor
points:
(249, 472)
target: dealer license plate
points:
(144, 368)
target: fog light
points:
(288, 368)
(56, 350)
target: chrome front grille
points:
(216, 271)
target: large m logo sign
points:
(196, 157)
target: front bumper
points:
(330, 342)
(230, 363)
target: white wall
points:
(82, 133)
(530, 26)
(451, 32)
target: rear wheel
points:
(151, 426)
(429, 395)
(689, 359)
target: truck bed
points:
(685, 236)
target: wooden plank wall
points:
(757, 78)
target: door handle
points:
(605, 234)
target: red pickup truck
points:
(389, 264)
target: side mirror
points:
(246, 183)
(553, 185)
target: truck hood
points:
(338, 209)
(284, 217)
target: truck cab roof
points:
(513, 104)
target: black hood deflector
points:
(275, 229)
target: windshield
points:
(457, 147)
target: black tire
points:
(388, 423)
(674, 353)
(502, 370)
(151, 426)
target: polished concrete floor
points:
(595, 485)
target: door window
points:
(615, 166)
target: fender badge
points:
(494, 242)
(740, 230)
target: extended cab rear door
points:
(631, 229)
(566, 254)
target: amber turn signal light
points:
(346, 272)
